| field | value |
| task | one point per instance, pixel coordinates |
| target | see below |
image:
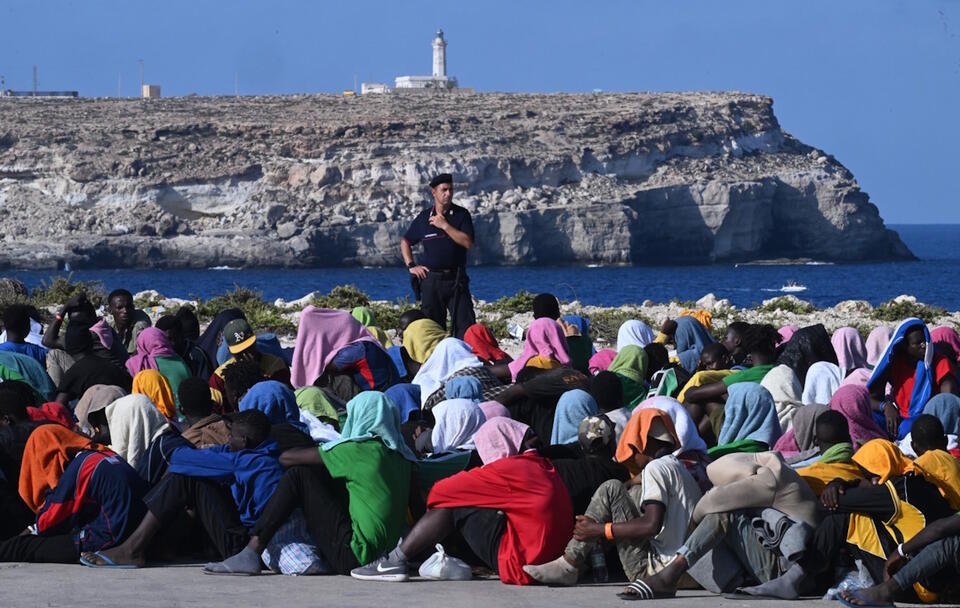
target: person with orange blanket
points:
(866, 518)
(86, 498)
(938, 465)
(154, 385)
(832, 437)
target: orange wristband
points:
(608, 530)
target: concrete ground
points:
(26, 585)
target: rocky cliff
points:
(324, 180)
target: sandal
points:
(640, 590)
(105, 562)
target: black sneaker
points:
(383, 570)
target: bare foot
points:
(878, 594)
(117, 555)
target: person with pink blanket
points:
(334, 349)
(853, 401)
(850, 349)
(877, 343)
(947, 341)
(545, 339)
(154, 351)
(600, 362)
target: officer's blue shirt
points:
(439, 250)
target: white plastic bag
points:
(854, 579)
(442, 567)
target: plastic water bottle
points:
(598, 565)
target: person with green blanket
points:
(316, 401)
(350, 528)
(630, 365)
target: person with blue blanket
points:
(915, 371)
(276, 401)
(227, 486)
(572, 408)
(750, 423)
(406, 397)
(690, 337)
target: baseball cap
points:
(595, 433)
(239, 335)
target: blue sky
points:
(876, 83)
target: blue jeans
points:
(937, 562)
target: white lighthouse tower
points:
(439, 56)
(439, 78)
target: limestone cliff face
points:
(323, 180)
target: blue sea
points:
(932, 279)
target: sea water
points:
(933, 279)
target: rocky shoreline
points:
(499, 314)
(322, 180)
(282, 316)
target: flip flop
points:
(864, 603)
(108, 563)
(643, 591)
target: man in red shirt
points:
(514, 510)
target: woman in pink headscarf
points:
(853, 401)
(877, 343)
(601, 361)
(545, 339)
(947, 341)
(151, 344)
(786, 332)
(154, 352)
(850, 349)
(336, 350)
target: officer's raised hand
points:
(438, 221)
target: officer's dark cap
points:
(443, 178)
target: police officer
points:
(446, 232)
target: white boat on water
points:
(793, 287)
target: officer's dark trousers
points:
(441, 295)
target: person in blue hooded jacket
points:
(914, 371)
(227, 486)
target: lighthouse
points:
(439, 56)
(439, 78)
